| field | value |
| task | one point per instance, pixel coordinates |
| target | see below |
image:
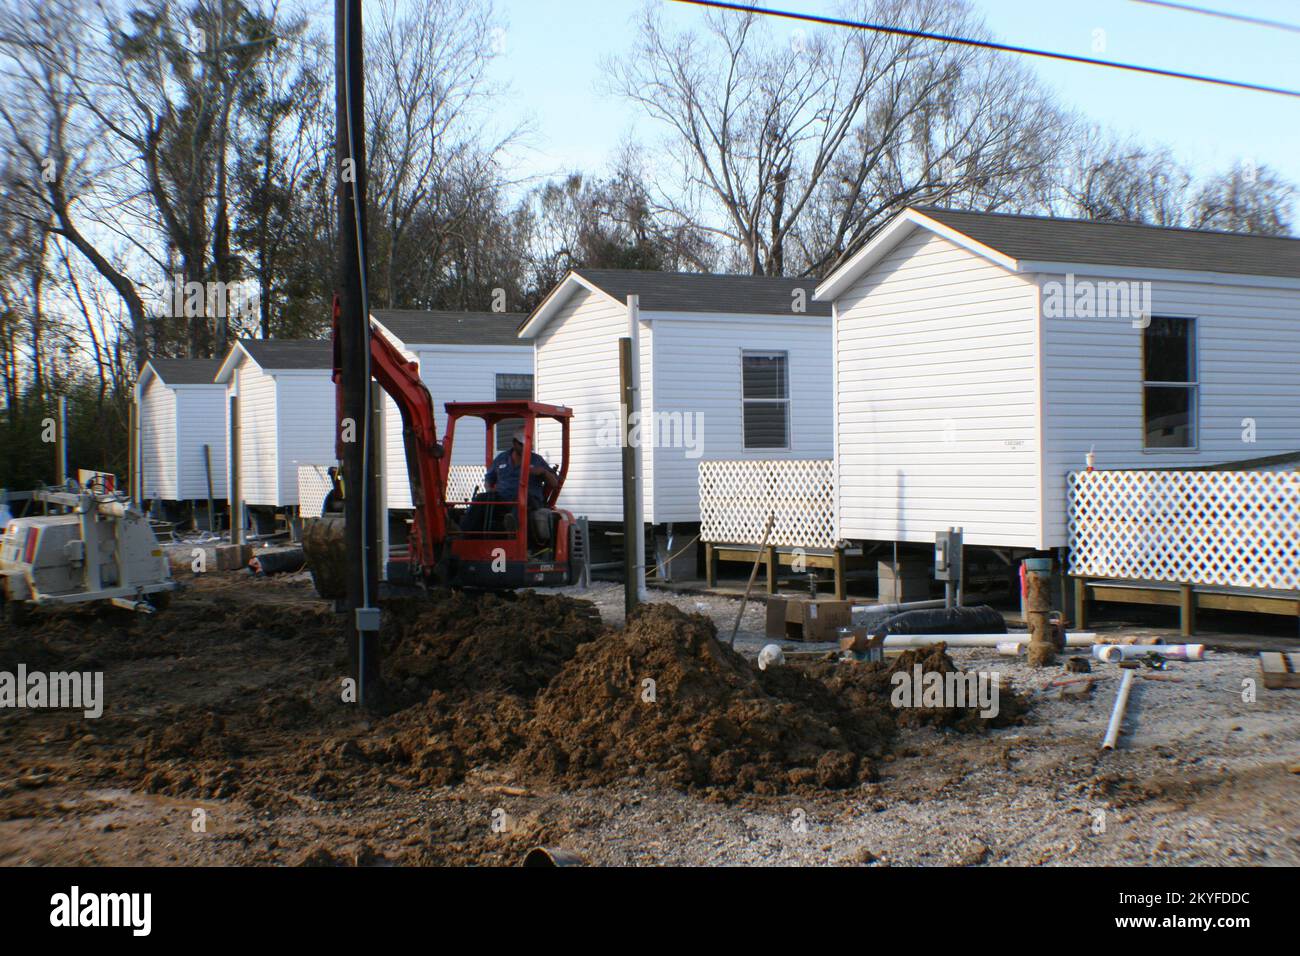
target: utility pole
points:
(360, 493)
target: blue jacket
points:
(504, 478)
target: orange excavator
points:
(514, 545)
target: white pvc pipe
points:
(1117, 715)
(1114, 653)
(1072, 639)
(869, 609)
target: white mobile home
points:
(286, 414)
(180, 411)
(463, 357)
(980, 357)
(729, 367)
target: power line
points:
(990, 45)
(1224, 14)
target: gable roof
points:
(414, 327)
(1028, 243)
(172, 371)
(279, 355)
(681, 292)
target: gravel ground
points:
(1202, 776)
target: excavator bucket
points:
(326, 552)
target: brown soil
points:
(710, 719)
(234, 693)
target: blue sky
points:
(554, 50)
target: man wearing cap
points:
(502, 483)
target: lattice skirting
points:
(1224, 528)
(736, 496)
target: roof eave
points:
(894, 232)
(555, 299)
(229, 363)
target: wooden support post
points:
(710, 565)
(841, 585)
(1080, 602)
(630, 557)
(212, 506)
(235, 486)
(772, 568)
(1186, 610)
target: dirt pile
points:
(462, 643)
(665, 697)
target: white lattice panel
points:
(462, 480)
(1224, 528)
(737, 496)
(313, 485)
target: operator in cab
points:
(502, 483)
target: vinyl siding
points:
(452, 374)
(304, 427)
(158, 441)
(202, 421)
(697, 362)
(936, 409)
(1247, 338)
(576, 364)
(257, 423)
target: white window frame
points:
(1193, 385)
(789, 408)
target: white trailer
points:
(181, 421)
(729, 366)
(979, 358)
(286, 414)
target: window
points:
(511, 386)
(765, 391)
(1169, 383)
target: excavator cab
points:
(517, 545)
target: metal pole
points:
(133, 455)
(360, 498)
(63, 442)
(630, 537)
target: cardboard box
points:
(803, 619)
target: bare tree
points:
(425, 98)
(1246, 198)
(803, 144)
(56, 141)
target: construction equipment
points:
(518, 546)
(101, 549)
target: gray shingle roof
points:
(705, 292)
(274, 354)
(186, 371)
(451, 328)
(1130, 245)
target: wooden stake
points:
(753, 573)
